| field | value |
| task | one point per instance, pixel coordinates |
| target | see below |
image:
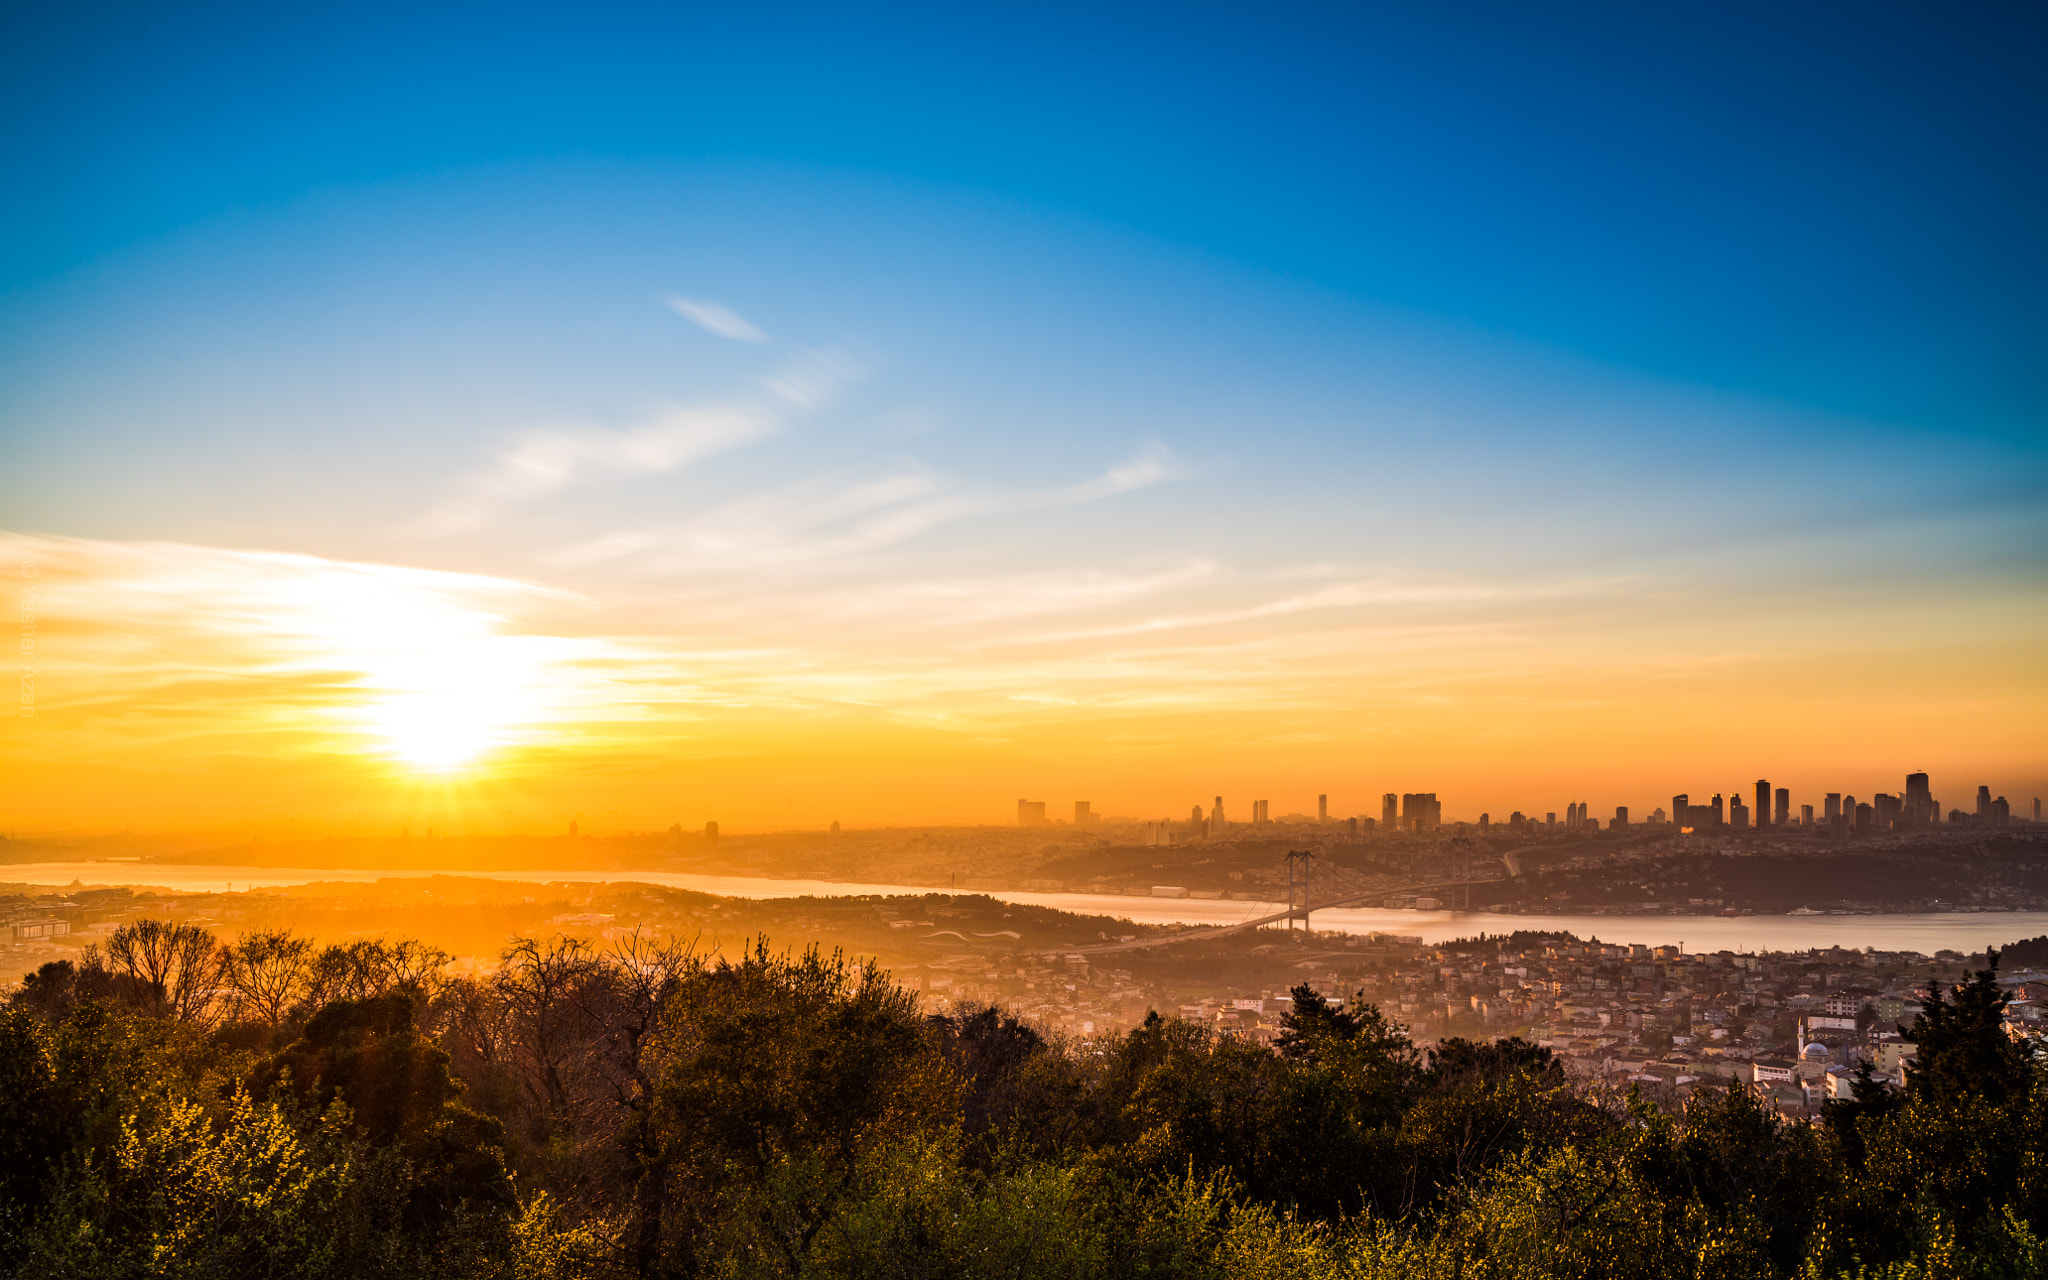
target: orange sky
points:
(187, 688)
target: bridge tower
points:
(1302, 858)
(1461, 871)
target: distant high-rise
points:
(1420, 811)
(1763, 804)
(2001, 813)
(1486, 819)
(1920, 805)
(1390, 819)
(1866, 819)
(1031, 813)
(1322, 808)
(1783, 809)
(1216, 817)
(1983, 805)
(1806, 816)
(1681, 810)
(1716, 815)
(1259, 813)
(1620, 817)
(1550, 820)
(1738, 813)
(1831, 807)
(1084, 813)
(2037, 808)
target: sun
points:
(447, 701)
(439, 731)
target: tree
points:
(173, 966)
(1309, 1022)
(1962, 1047)
(780, 1076)
(395, 1083)
(268, 971)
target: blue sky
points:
(1057, 328)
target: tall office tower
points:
(1783, 809)
(2001, 813)
(1983, 805)
(1216, 817)
(1432, 810)
(1260, 813)
(1716, 816)
(1681, 810)
(1763, 804)
(1806, 816)
(1322, 808)
(1550, 820)
(1920, 806)
(1571, 816)
(1866, 819)
(1195, 817)
(1031, 813)
(1738, 813)
(1831, 808)
(1084, 813)
(1486, 819)
(1389, 817)
(1620, 817)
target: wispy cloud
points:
(715, 319)
(538, 463)
(1343, 595)
(815, 520)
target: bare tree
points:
(174, 966)
(536, 980)
(623, 1003)
(268, 971)
(413, 966)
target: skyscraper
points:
(1831, 807)
(1084, 813)
(1031, 813)
(1983, 806)
(1920, 806)
(1806, 816)
(1620, 817)
(1738, 813)
(1681, 810)
(1763, 804)
(1783, 809)
(1389, 813)
(1216, 817)
(1420, 811)
(1322, 808)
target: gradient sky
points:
(778, 415)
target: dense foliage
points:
(174, 1107)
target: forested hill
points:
(175, 1107)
